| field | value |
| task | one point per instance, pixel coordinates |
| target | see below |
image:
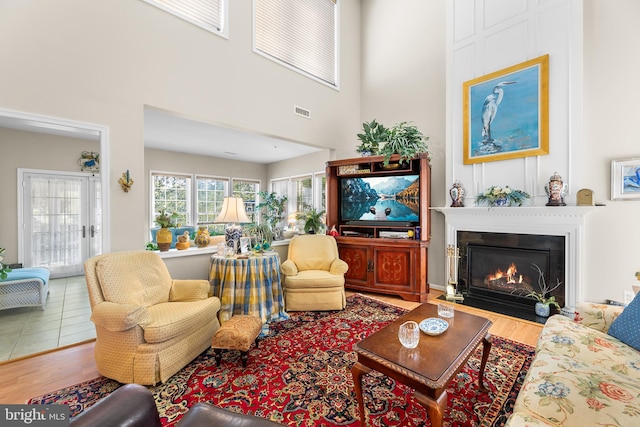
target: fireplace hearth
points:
(498, 270)
(567, 222)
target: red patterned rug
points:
(300, 375)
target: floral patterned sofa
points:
(581, 376)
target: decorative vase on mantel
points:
(500, 202)
(542, 310)
(164, 237)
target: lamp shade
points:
(232, 211)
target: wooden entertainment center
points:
(388, 257)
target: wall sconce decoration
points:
(125, 181)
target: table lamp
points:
(233, 213)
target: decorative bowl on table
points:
(433, 326)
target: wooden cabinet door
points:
(359, 264)
(393, 268)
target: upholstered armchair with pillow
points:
(314, 274)
(148, 325)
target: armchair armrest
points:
(131, 405)
(289, 268)
(119, 317)
(596, 316)
(189, 290)
(338, 266)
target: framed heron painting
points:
(506, 113)
(625, 179)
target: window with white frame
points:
(201, 205)
(304, 192)
(210, 15)
(320, 191)
(210, 193)
(173, 193)
(300, 34)
(248, 191)
(302, 196)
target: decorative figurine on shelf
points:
(333, 232)
(556, 190)
(183, 241)
(457, 195)
(203, 238)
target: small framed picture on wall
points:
(625, 179)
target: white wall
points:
(404, 79)
(610, 131)
(580, 45)
(102, 61)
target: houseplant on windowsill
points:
(312, 220)
(274, 208)
(501, 196)
(544, 299)
(164, 237)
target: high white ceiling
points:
(164, 131)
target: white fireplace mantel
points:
(567, 221)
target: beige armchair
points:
(148, 326)
(313, 274)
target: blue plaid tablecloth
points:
(248, 286)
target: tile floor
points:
(65, 321)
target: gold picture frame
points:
(506, 113)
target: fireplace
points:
(498, 270)
(567, 222)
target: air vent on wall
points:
(302, 112)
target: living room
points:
(104, 62)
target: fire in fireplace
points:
(498, 270)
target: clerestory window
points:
(300, 34)
(210, 15)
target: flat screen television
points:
(393, 198)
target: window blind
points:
(299, 33)
(207, 14)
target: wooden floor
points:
(32, 376)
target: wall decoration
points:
(125, 181)
(625, 179)
(89, 161)
(506, 113)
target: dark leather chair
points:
(132, 405)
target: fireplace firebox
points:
(498, 270)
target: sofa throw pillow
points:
(625, 327)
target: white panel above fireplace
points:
(567, 221)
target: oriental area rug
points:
(300, 375)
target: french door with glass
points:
(61, 220)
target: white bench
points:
(25, 287)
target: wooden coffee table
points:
(429, 367)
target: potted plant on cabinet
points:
(312, 220)
(164, 236)
(373, 134)
(406, 140)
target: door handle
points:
(93, 231)
(84, 231)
